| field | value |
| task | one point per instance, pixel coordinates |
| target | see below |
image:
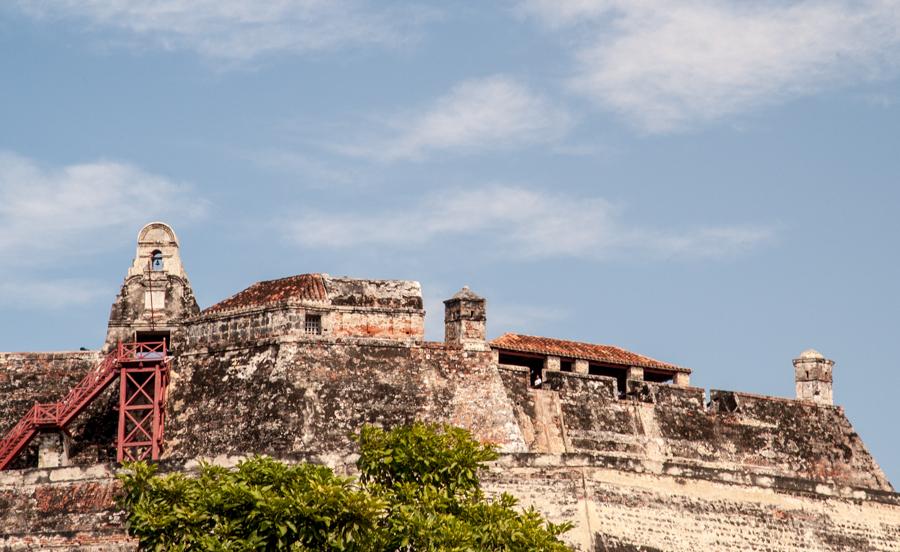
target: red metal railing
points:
(126, 359)
(139, 352)
(93, 383)
(47, 414)
(17, 438)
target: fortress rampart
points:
(614, 441)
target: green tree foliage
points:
(428, 477)
(262, 505)
(418, 490)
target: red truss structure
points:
(142, 394)
(143, 371)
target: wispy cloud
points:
(50, 294)
(669, 66)
(48, 216)
(70, 209)
(521, 223)
(560, 13)
(311, 172)
(242, 29)
(485, 114)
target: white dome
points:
(812, 354)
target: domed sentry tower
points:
(464, 320)
(156, 296)
(812, 373)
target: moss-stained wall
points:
(659, 422)
(306, 397)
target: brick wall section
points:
(216, 330)
(71, 509)
(26, 378)
(348, 307)
(399, 325)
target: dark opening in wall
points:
(617, 372)
(154, 337)
(156, 260)
(658, 377)
(566, 365)
(313, 324)
(535, 365)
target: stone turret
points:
(812, 373)
(156, 296)
(464, 320)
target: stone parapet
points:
(614, 502)
(658, 422)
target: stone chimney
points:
(464, 320)
(812, 373)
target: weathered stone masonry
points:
(616, 442)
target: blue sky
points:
(712, 183)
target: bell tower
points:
(156, 296)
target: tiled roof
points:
(574, 349)
(304, 287)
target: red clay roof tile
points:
(586, 351)
(304, 287)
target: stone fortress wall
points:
(26, 378)
(638, 460)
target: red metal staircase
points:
(143, 369)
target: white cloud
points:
(241, 29)
(671, 65)
(71, 209)
(521, 223)
(50, 216)
(50, 294)
(559, 13)
(491, 113)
